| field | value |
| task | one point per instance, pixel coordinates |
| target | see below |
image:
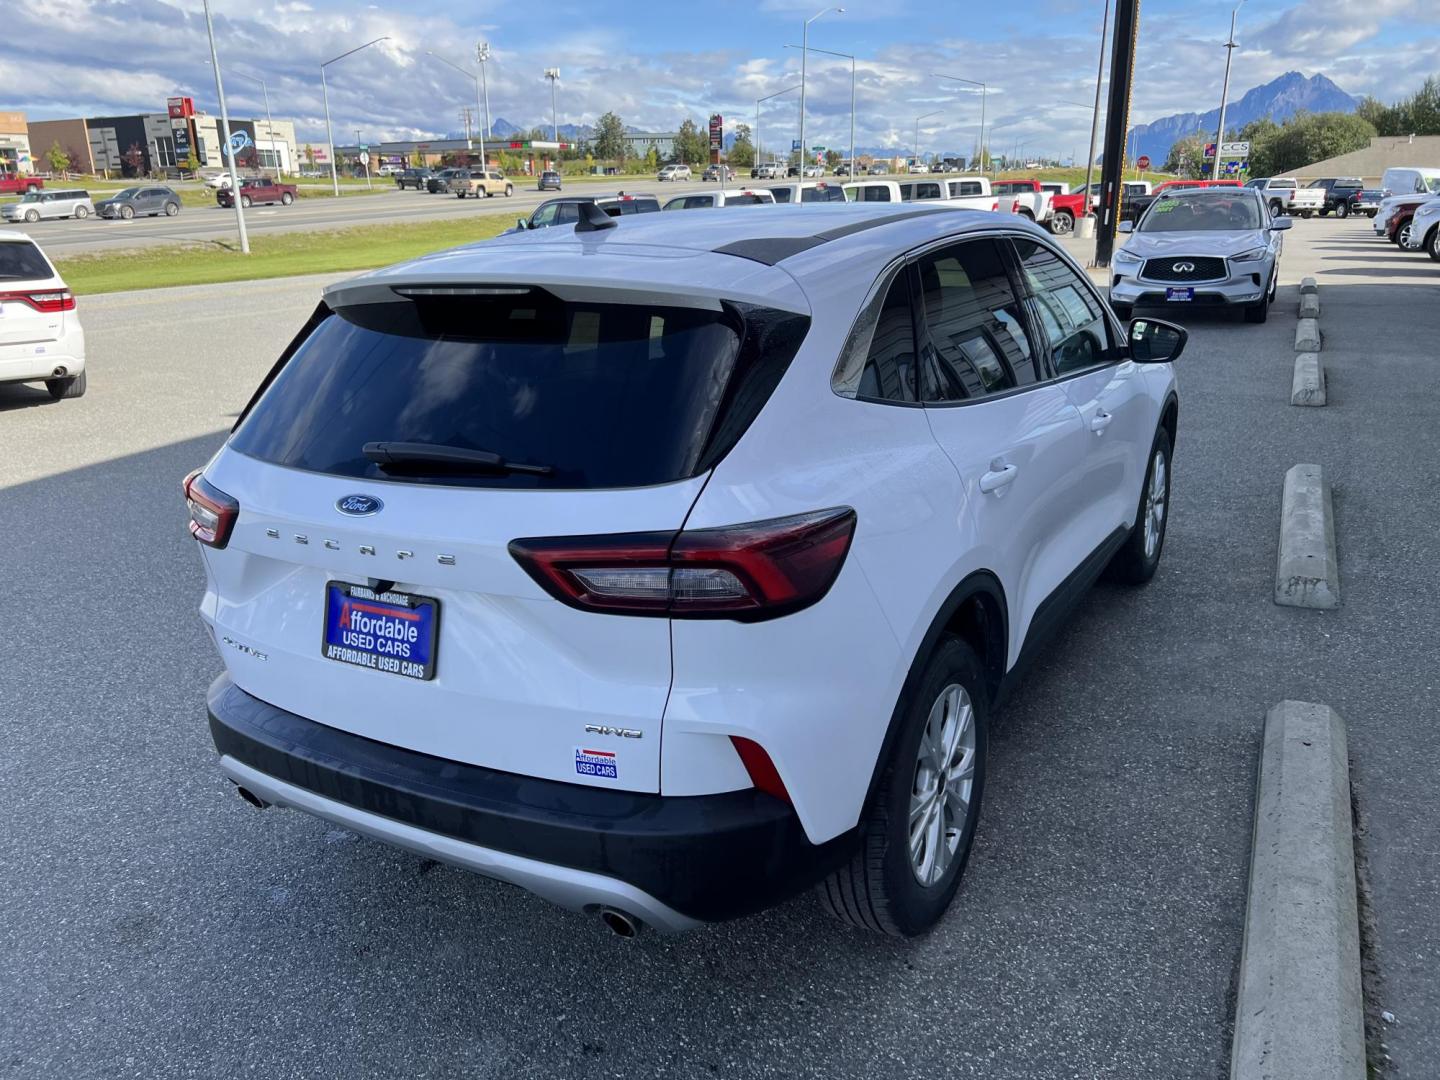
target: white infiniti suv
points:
(799, 493)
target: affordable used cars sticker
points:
(601, 763)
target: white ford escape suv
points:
(667, 567)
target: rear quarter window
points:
(20, 260)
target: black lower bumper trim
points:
(706, 856)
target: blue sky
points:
(655, 64)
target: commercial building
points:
(15, 154)
(143, 143)
(534, 156)
(1384, 152)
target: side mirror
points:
(1281, 224)
(522, 223)
(1125, 226)
(1155, 342)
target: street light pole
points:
(847, 56)
(476, 81)
(916, 146)
(1095, 120)
(804, 52)
(482, 56)
(553, 74)
(1225, 91)
(984, 93)
(767, 97)
(226, 150)
(325, 89)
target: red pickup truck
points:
(258, 190)
(12, 184)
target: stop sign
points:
(1142, 162)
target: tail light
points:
(47, 303)
(750, 572)
(763, 774)
(212, 512)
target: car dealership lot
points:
(155, 925)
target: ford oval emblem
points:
(359, 505)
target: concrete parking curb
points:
(1307, 335)
(1307, 387)
(1309, 305)
(1307, 573)
(1308, 285)
(1299, 1009)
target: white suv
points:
(40, 335)
(674, 172)
(670, 565)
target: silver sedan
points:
(1197, 248)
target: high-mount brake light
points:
(212, 512)
(760, 570)
(48, 302)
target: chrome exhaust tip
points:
(60, 372)
(251, 798)
(620, 923)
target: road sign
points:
(717, 131)
(1235, 149)
(364, 157)
(1142, 162)
(817, 149)
(794, 144)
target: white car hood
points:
(1202, 242)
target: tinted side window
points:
(545, 215)
(889, 373)
(976, 331)
(1068, 313)
(875, 194)
(781, 194)
(567, 214)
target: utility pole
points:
(1095, 120)
(1225, 92)
(553, 74)
(1117, 124)
(804, 53)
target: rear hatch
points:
(33, 299)
(564, 416)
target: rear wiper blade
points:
(403, 455)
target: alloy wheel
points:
(944, 781)
(1155, 505)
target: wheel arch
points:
(1170, 417)
(975, 611)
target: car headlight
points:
(1253, 255)
(1126, 257)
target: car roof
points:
(12, 235)
(758, 254)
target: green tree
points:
(1261, 135)
(309, 155)
(652, 159)
(1187, 156)
(58, 159)
(691, 146)
(1311, 137)
(610, 138)
(742, 150)
(192, 162)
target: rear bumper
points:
(670, 861)
(22, 363)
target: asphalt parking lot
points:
(153, 925)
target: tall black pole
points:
(1117, 123)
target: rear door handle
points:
(1100, 421)
(999, 476)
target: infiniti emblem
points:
(359, 505)
(1183, 268)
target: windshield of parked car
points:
(1433, 185)
(31, 197)
(1208, 213)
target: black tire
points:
(1324, 213)
(81, 213)
(1123, 312)
(1432, 244)
(246, 201)
(1342, 211)
(1402, 234)
(1131, 564)
(509, 190)
(71, 387)
(1063, 223)
(1277, 209)
(32, 216)
(171, 209)
(1306, 215)
(127, 212)
(878, 890)
(286, 199)
(1259, 311)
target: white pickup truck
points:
(1026, 198)
(971, 193)
(1284, 196)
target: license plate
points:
(1179, 294)
(390, 632)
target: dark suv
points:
(549, 181)
(138, 201)
(413, 178)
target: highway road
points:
(313, 212)
(153, 925)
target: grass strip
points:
(272, 255)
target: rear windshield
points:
(746, 200)
(20, 260)
(603, 395)
(828, 193)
